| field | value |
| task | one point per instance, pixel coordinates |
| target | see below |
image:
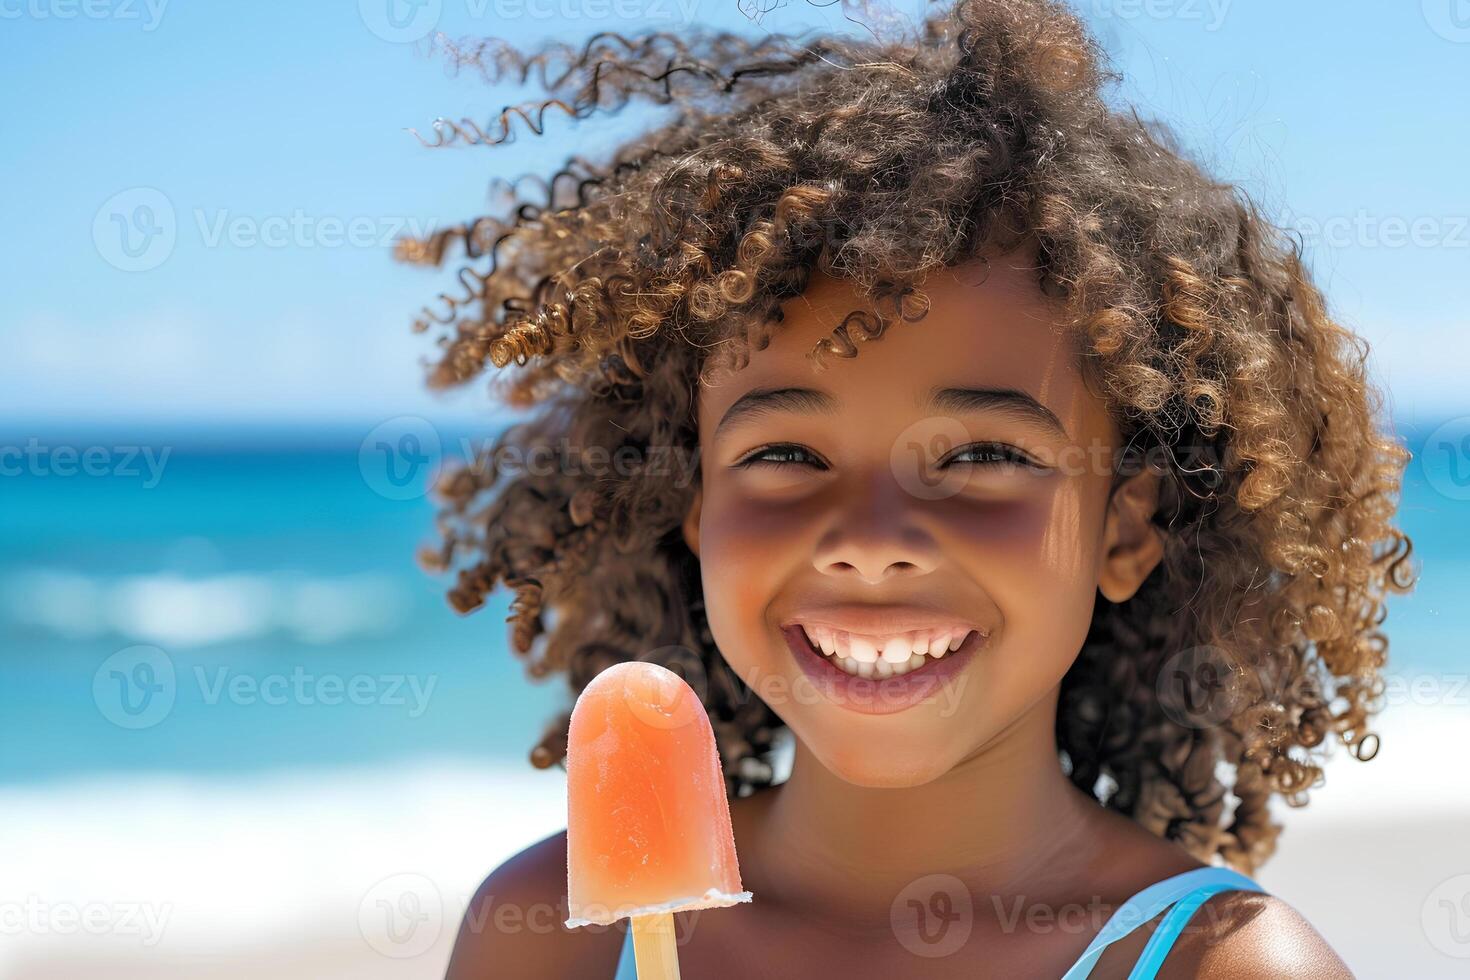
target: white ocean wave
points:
(174, 867)
(269, 867)
(181, 611)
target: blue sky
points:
(289, 119)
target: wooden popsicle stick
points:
(653, 947)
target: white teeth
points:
(906, 666)
(863, 649)
(897, 650)
(884, 656)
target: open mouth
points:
(881, 674)
(881, 657)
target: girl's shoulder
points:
(1233, 934)
(515, 924)
(1250, 935)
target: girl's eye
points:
(781, 454)
(979, 454)
(990, 454)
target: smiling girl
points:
(1032, 489)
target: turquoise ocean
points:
(273, 574)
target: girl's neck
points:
(998, 820)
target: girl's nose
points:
(874, 536)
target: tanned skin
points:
(968, 785)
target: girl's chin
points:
(882, 770)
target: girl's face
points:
(938, 512)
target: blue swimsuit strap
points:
(1163, 938)
(1185, 892)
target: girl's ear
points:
(691, 522)
(1132, 545)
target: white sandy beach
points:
(365, 874)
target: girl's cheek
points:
(1041, 533)
(737, 530)
(745, 553)
(1035, 556)
(735, 534)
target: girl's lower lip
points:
(879, 696)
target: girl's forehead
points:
(987, 325)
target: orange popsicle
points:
(648, 825)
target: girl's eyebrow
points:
(810, 401)
(765, 401)
(1008, 401)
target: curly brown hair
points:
(616, 292)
